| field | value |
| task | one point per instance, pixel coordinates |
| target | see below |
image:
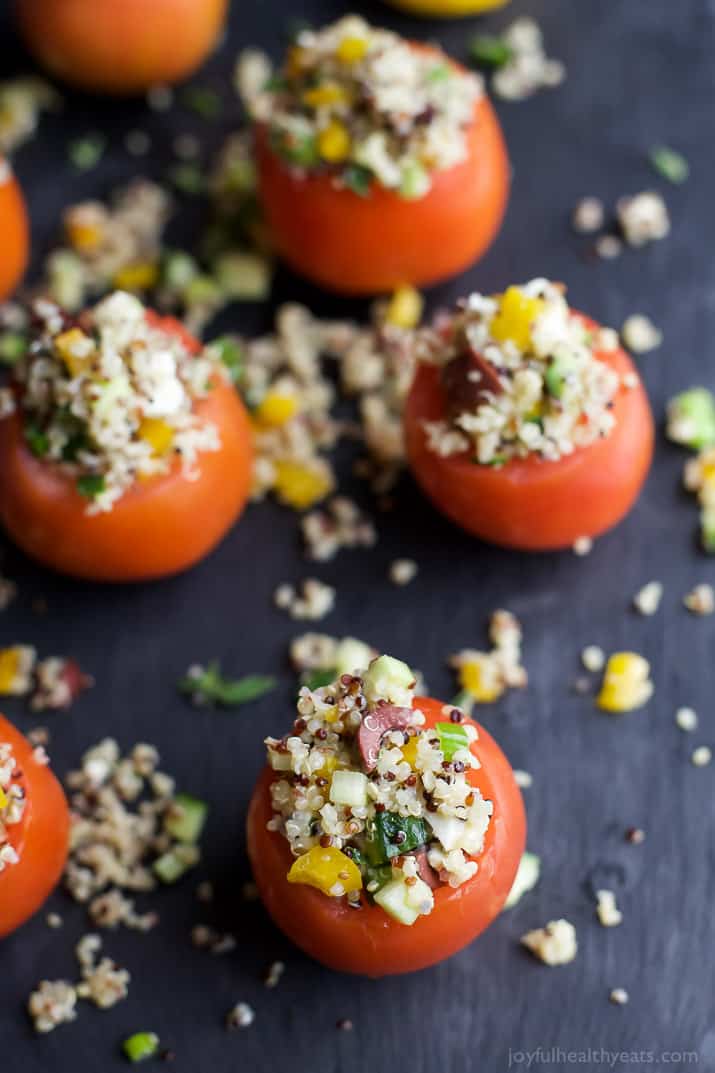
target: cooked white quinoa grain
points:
(701, 756)
(12, 804)
(700, 600)
(588, 215)
(640, 334)
(523, 779)
(340, 525)
(608, 247)
(643, 218)
(402, 571)
(593, 658)
(241, 1016)
(314, 599)
(528, 68)
(686, 719)
(609, 915)
(647, 600)
(582, 545)
(484, 676)
(619, 996)
(554, 944)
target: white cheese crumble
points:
(554, 944)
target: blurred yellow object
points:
(404, 309)
(300, 486)
(626, 683)
(515, 318)
(75, 349)
(480, 679)
(276, 409)
(157, 433)
(448, 8)
(139, 276)
(334, 142)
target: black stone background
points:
(641, 72)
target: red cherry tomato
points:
(367, 940)
(14, 231)
(121, 46)
(41, 837)
(159, 526)
(361, 245)
(530, 503)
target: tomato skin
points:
(121, 46)
(528, 503)
(41, 838)
(14, 232)
(159, 527)
(362, 245)
(367, 941)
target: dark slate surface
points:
(639, 73)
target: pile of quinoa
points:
(522, 377)
(12, 804)
(406, 776)
(110, 399)
(365, 105)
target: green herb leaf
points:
(389, 835)
(37, 440)
(358, 179)
(487, 50)
(318, 679)
(203, 101)
(13, 345)
(669, 163)
(86, 153)
(188, 178)
(230, 352)
(90, 485)
(207, 686)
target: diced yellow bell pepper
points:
(139, 276)
(83, 237)
(515, 318)
(329, 870)
(324, 95)
(329, 765)
(276, 409)
(157, 433)
(409, 751)
(9, 667)
(4, 799)
(334, 142)
(299, 486)
(351, 49)
(480, 680)
(626, 683)
(75, 349)
(404, 309)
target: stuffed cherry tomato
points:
(386, 831)
(14, 231)
(34, 829)
(121, 46)
(380, 161)
(128, 454)
(447, 8)
(530, 426)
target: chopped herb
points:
(37, 440)
(188, 178)
(669, 163)
(389, 835)
(302, 150)
(439, 73)
(140, 1046)
(357, 179)
(202, 100)
(487, 50)
(317, 679)
(230, 352)
(86, 153)
(12, 347)
(207, 685)
(91, 485)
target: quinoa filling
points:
(109, 398)
(12, 803)
(521, 376)
(372, 803)
(364, 104)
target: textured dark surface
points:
(640, 72)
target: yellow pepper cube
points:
(300, 486)
(329, 765)
(481, 680)
(9, 668)
(139, 276)
(404, 309)
(515, 318)
(351, 49)
(276, 409)
(334, 142)
(157, 433)
(328, 870)
(626, 683)
(76, 350)
(409, 751)
(4, 799)
(82, 236)
(325, 95)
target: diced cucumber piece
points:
(448, 829)
(230, 352)
(707, 529)
(352, 655)
(140, 1046)
(389, 679)
(175, 862)
(243, 276)
(186, 817)
(393, 899)
(691, 418)
(415, 181)
(526, 878)
(555, 377)
(178, 269)
(349, 788)
(452, 737)
(13, 345)
(389, 835)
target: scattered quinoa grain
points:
(588, 215)
(619, 996)
(274, 974)
(344, 1024)
(643, 218)
(640, 334)
(608, 247)
(609, 915)
(647, 600)
(523, 779)
(635, 835)
(241, 1016)
(583, 545)
(701, 756)
(686, 719)
(700, 600)
(593, 658)
(402, 571)
(54, 920)
(554, 944)
(314, 599)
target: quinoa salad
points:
(109, 398)
(521, 376)
(12, 803)
(374, 805)
(365, 105)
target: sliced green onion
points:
(358, 179)
(13, 345)
(203, 101)
(487, 50)
(37, 440)
(209, 686)
(140, 1046)
(669, 163)
(90, 485)
(452, 736)
(86, 153)
(230, 352)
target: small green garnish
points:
(186, 817)
(488, 50)
(230, 352)
(90, 485)
(203, 101)
(389, 835)
(140, 1046)
(12, 347)
(440, 73)
(358, 179)
(178, 269)
(452, 737)
(318, 679)
(669, 163)
(208, 686)
(498, 460)
(37, 440)
(188, 178)
(86, 153)
(415, 181)
(302, 151)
